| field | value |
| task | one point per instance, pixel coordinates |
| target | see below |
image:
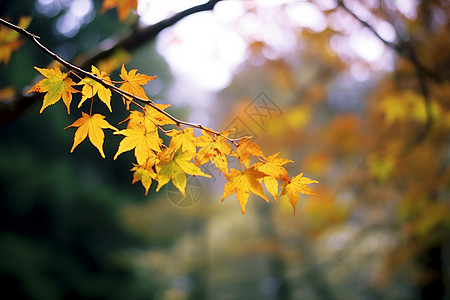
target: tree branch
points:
(404, 49)
(106, 84)
(141, 36)
(13, 108)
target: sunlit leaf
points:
(183, 139)
(92, 87)
(242, 183)
(273, 166)
(176, 168)
(91, 126)
(144, 174)
(56, 85)
(142, 140)
(214, 149)
(133, 82)
(296, 185)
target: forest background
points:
(355, 93)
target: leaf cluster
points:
(184, 152)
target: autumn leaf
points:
(183, 139)
(92, 87)
(144, 174)
(242, 184)
(214, 149)
(175, 169)
(56, 85)
(297, 184)
(123, 7)
(158, 117)
(133, 81)
(273, 166)
(247, 148)
(141, 139)
(138, 119)
(92, 126)
(10, 40)
(271, 184)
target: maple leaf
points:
(133, 82)
(271, 184)
(138, 119)
(183, 139)
(175, 169)
(214, 149)
(56, 85)
(141, 139)
(242, 184)
(144, 174)
(298, 184)
(158, 117)
(92, 87)
(273, 166)
(123, 7)
(10, 39)
(245, 149)
(92, 126)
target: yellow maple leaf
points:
(158, 117)
(298, 184)
(273, 166)
(271, 184)
(132, 83)
(92, 126)
(214, 149)
(138, 119)
(145, 174)
(92, 87)
(175, 168)
(56, 85)
(123, 7)
(142, 140)
(183, 139)
(242, 183)
(247, 148)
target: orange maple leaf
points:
(247, 148)
(298, 184)
(123, 7)
(56, 85)
(92, 87)
(242, 184)
(176, 168)
(92, 126)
